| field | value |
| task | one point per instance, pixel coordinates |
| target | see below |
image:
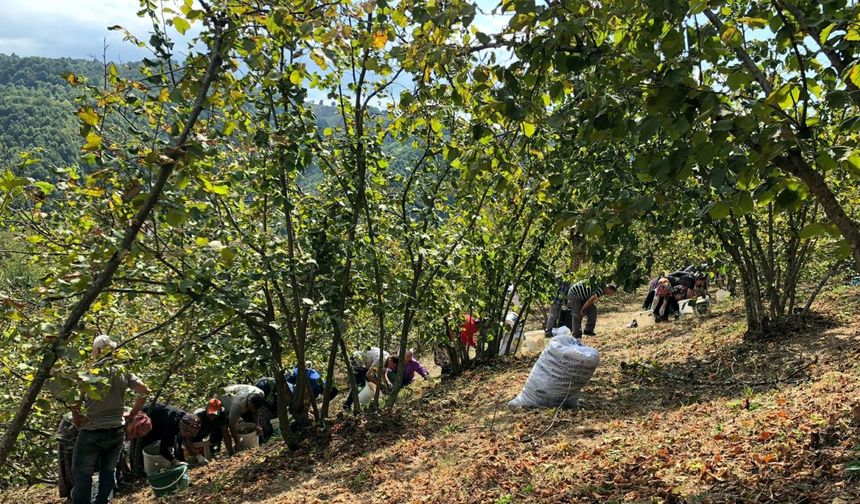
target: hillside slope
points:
(680, 412)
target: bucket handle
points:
(184, 471)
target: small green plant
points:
(853, 465)
(360, 479)
(504, 499)
(219, 483)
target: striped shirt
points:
(584, 292)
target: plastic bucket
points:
(366, 394)
(169, 480)
(152, 461)
(685, 307)
(247, 436)
(204, 445)
(276, 426)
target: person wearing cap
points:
(170, 424)
(242, 402)
(100, 425)
(213, 423)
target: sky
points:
(78, 28)
(70, 28)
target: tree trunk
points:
(830, 272)
(350, 373)
(104, 278)
(793, 163)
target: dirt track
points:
(678, 412)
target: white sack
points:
(562, 369)
(561, 331)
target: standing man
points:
(581, 300)
(100, 426)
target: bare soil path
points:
(685, 411)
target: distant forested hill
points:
(37, 113)
(37, 110)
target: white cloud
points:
(71, 28)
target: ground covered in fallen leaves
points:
(680, 412)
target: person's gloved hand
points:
(201, 460)
(175, 462)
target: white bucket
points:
(685, 307)
(535, 341)
(247, 436)
(205, 445)
(366, 394)
(276, 426)
(152, 461)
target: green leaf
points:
(93, 142)
(732, 37)
(227, 254)
(436, 125)
(851, 162)
(175, 216)
(743, 204)
(296, 77)
(787, 198)
(784, 97)
(815, 229)
(753, 22)
(737, 80)
(825, 161)
(529, 129)
(9, 181)
(88, 116)
(720, 210)
(825, 33)
(556, 179)
(221, 190)
(181, 25)
(46, 187)
(698, 6)
(854, 75)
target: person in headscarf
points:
(101, 423)
(173, 428)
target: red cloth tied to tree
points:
(468, 331)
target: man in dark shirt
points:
(168, 423)
(270, 401)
